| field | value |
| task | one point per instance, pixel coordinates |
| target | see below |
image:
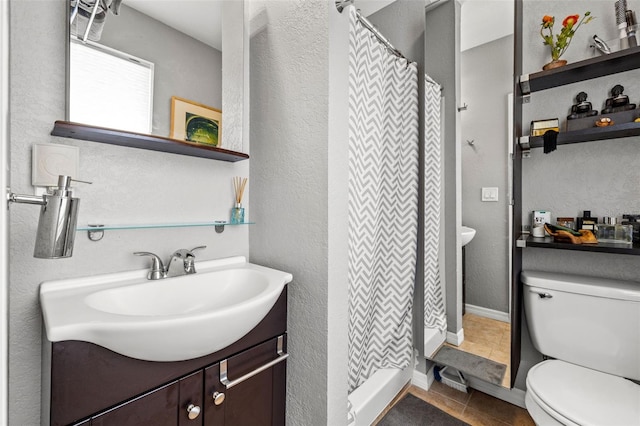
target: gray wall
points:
(290, 170)
(184, 66)
(130, 186)
(486, 79)
(602, 176)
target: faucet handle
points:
(189, 260)
(157, 268)
(196, 248)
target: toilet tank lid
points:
(581, 284)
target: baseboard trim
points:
(487, 313)
(513, 396)
(423, 381)
(455, 338)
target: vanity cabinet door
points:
(156, 408)
(256, 401)
(190, 400)
(178, 403)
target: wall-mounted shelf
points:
(85, 132)
(96, 232)
(157, 225)
(584, 135)
(547, 242)
(587, 69)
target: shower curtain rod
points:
(341, 4)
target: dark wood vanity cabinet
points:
(257, 401)
(243, 384)
(158, 407)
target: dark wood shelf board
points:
(591, 134)
(547, 242)
(85, 132)
(624, 60)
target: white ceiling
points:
(482, 20)
(200, 19)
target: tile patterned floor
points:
(487, 338)
(475, 407)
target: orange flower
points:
(570, 20)
(547, 21)
(559, 43)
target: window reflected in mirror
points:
(109, 88)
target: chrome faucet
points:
(182, 262)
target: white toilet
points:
(591, 329)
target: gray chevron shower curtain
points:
(434, 310)
(383, 204)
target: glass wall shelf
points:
(95, 232)
(97, 227)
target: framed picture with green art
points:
(194, 122)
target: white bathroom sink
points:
(172, 319)
(467, 235)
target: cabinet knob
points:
(218, 398)
(193, 411)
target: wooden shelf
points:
(624, 60)
(547, 242)
(585, 135)
(85, 132)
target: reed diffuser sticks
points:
(238, 185)
(237, 212)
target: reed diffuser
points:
(237, 212)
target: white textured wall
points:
(130, 186)
(486, 79)
(290, 168)
(338, 174)
(600, 176)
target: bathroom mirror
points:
(185, 45)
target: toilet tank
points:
(593, 322)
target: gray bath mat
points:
(412, 411)
(470, 364)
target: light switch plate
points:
(50, 160)
(490, 194)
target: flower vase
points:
(555, 64)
